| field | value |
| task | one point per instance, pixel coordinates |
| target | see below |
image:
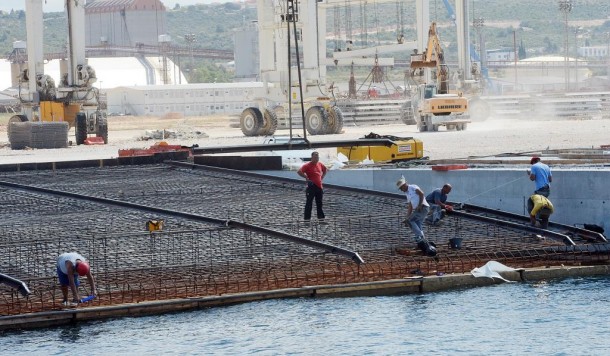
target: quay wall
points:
(580, 196)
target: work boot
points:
(427, 247)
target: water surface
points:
(563, 317)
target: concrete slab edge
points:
(408, 285)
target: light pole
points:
(608, 56)
(565, 6)
(190, 40)
(577, 31)
(516, 56)
(478, 24)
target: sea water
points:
(559, 317)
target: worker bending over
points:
(417, 210)
(438, 204)
(70, 266)
(540, 207)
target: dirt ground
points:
(487, 138)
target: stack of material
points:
(38, 135)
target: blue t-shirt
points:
(542, 172)
(436, 194)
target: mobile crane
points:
(433, 105)
(276, 19)
(75, 101)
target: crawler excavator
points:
(48, 111)
(433, 105)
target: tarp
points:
(491, 269)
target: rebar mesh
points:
(191, 259)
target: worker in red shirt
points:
(313, 172)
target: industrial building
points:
(188, 100)
(124, 22)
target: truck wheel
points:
(251, 121)
(14, 118)
(422, 127)
(435, 128)
(406, 114)
(464, 125)
(335, 120)
(316, 120)
(479, 109)
(80, 128)
(269, 122)
(102, 128)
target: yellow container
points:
(402, 149)
(58, 111)
(155, 225)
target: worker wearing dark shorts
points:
(70, 266)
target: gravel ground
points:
(491, 137)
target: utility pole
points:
(608, 56)
(516, 56)
(190, 40)
(565, 6)
(576, 32)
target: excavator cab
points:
(429, 91)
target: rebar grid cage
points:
(191, 258)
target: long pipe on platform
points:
(294, 146)
(573, 229)
(16, 284)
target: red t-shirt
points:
(314, 172)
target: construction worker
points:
(70, 266)
(313, 172)
(540, 207)
(541, 175)
(417, 210)
(438, 206)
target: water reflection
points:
(470, 321)
(71, 333)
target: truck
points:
(432, 105)
(49, 111)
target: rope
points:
(489, 190)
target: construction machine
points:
(49, 111)
(280, 23)
(291, 30)
(433, 105)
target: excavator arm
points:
(433, 57)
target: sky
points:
(58, 5)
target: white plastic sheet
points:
(491, 269)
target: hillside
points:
(540, 29)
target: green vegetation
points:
(536, 27)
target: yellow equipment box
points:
(58, 111)
(402, 149)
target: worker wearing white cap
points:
(417, 210)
